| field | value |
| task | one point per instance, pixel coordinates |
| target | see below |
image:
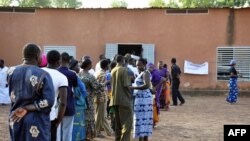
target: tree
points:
(157, 3)
(172, 4)
(34, 3)
(212, 3)
(5, 2)
(197, 3)
(119, 4)
(67, 3)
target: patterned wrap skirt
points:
(233, 90)
(143, 113)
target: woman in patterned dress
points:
(92, 87)
(80, 94)
(143, 105)
(233, 86)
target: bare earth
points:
(201, 118)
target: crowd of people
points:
(55, 97)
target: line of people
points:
(64, 101)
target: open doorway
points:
(135, 49)
(142, 50)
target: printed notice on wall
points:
(191, 68)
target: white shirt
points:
(134, 70)
(59, 80)
(3, 76)
(98, 67)
(4, 91)
(91, 71)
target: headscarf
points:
(43, 60)
(149, 65)
(232, 62)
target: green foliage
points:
(34, 3)
(172, 4)
(122, 3)
(199, 3)
(5, 2)
(212, 3)
(67, 3)
(44, 3)
(119, 4)
(157, 3)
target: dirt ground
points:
(201, 118)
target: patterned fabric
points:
(4, 90)
(155, 80)
(92, 87)
(167, 94)
(155, 114)
(233, 90)
(23, 83)
(143, 110)
(79, 127)
(79, 130)
(101, 78)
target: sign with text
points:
(192, 68)
(236, 132)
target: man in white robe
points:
(4, 89)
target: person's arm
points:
(126, 79)
(43, 104)
(82, 87)
(62, 104)
(146, 80)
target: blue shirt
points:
(108, 78)
(72, 79)
(23, 82)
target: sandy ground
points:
(201, 118)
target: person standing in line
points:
(98, 65)
(233, 86)
(80, 94)
(143, 105)
(167, 88)
(91, 70)
(110, 108)
(93, 88)
(156, 81)
(101, 100)
(108, 88)
(60, 83)
(32, 96)
(121, 100)
(176, 72)
(65, 129)
(4, 89)
(163, 73)
(131, 65)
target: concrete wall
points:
(194, 37)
